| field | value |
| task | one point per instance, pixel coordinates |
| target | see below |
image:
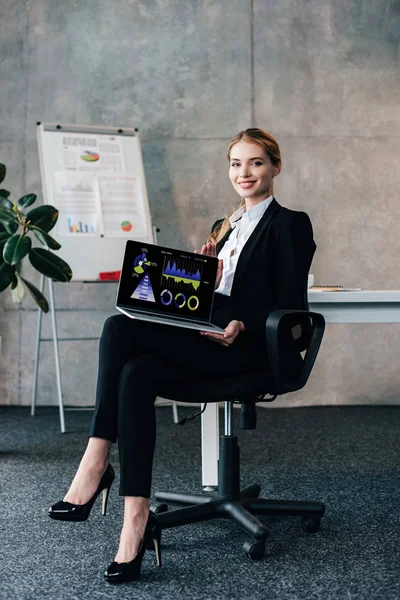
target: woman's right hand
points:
(210, 250)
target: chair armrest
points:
(278, 325)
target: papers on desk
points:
(333, 288)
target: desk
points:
(366, 306)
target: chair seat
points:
(188, 386)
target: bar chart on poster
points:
(94, 176)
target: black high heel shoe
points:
(66, 511)
(130, 571)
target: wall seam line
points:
(25, 44)
(252, 90)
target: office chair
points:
(297, 329)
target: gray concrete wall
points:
(321, 75)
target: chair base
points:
(242, 510)
(233, 503)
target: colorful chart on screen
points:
(168, 281)
(181, 274)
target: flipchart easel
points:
(114, 163)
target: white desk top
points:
(361, 296)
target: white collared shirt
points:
(243, 224)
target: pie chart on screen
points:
(126, 225)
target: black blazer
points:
(272, 268)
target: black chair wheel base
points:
(310, 524)
(254, 550)
(161, 508)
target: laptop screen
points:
(167, 281)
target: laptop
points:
(167, 286)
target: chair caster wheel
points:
(254, 550)
(310, 524)
(161, 508)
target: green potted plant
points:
(16, 228)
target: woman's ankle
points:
(135, 508)
(97, 453)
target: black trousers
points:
(134, 357)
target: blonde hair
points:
(269, 144)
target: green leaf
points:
(37, 296)
(4, 193)
(44, 217)
(18, 291)
(14, 283)
(4, 235)
(16, 248)
(45, 239)
(4, 201)
(12, 228)
(26, 201)
(7, 275)
(3, 172)
(50, 265)
(7, 215)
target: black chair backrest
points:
(302, 332)
(288, 331)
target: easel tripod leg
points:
(56, 356)
(37, 351)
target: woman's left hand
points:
(227, 338)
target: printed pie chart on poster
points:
(89, 156)
(126, 226)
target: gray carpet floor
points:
(347, 457)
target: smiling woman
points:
(264, 252)
(255, 159)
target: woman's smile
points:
(246, 184)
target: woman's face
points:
(251, 171)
